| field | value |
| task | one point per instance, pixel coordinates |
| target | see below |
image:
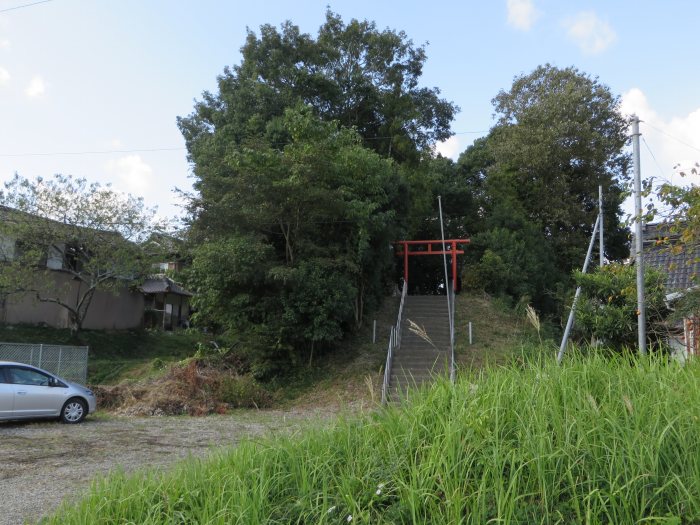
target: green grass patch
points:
(498, 332)
(597, 440)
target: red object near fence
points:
(426, 248)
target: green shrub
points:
(243, 392)
(607, 309)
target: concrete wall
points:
(107, 311)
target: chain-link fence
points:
(68, 362)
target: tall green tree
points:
(304, 160)
(307, 237)
(559, 136)
(353, 74)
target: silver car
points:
(27, 392)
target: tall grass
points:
(597, 440)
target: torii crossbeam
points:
(448, 248)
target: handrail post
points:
(394, 343)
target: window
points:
(162, 266)
(55, 259)
(26, 376)
(3, 379)
(7, 249)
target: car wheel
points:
(74, 411)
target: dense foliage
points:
(607, 310)
(678, 208)
(303, 164)
(305, 249)
(592, 441)
(558, 137)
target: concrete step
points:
(425, 299)
(432, 334)
(418, 342)
(419, 317)
(416, 379)
(427, 353)
(418, 362)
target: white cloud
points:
(522, 14)
(591, 34)
(4, 77)
(135, 175)
(4, 43)
(450, 148)
(672, 141)
(36, 87)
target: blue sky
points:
(86, 76)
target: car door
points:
(34, 397)
(7, 396)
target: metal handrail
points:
(453, 366)
(394, 343)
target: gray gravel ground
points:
(45, 463)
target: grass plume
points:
(420, 331)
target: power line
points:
(672, 137)
(151, 150)
(95, 152)
(661, 171)
(455, 133)
(24, 5)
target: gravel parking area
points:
(45, 463)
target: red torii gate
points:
(453, 251)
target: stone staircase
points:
(417, 361)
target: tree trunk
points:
(311, 357)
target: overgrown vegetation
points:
(596, 440)
(559, 136)
(607, 311)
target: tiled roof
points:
(163, 285)
(680, 263)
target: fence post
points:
(31, 355)
(60, 356)
(41, 353)
(374, 332)
(470, 332)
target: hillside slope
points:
(497, 331)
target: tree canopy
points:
(559, 135)
(302, 243)
(303, 163)
(354, 74)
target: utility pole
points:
(600, 225)
(638, 244)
